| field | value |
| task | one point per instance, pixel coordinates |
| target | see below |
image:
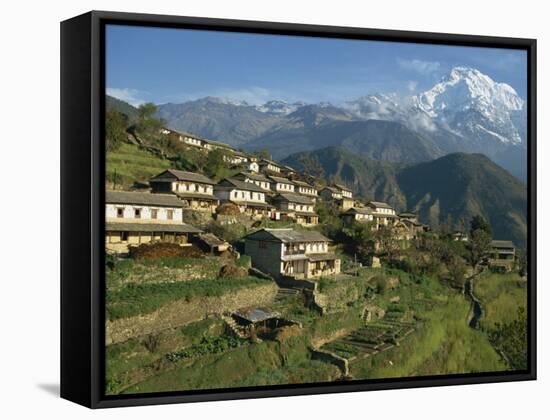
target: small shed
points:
(209, 242)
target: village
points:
(246, 261)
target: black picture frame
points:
(83, 197)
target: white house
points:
(267, 165)
(258, 179)
(292, 253)
(249, 197)
(358, 214)
(297, 207)
(382, 212)
(304, 188)
(344, 190)
(134, 218)
(279, 184)
(195, 190)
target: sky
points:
(161, 65)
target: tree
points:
(477, 247)
(388, 241)
(311, 166)
(457, 272)
(115, 130)
(262, 154)
(215, 163)
(147, 122)
(511, 339)
(359, 240)
(522, 263)
(479, 223)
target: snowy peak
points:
(467, 88)
(279, 107)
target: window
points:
(124, 236)
(262, 245)
(154, 213)
(120, 212)
(137, 213)
(170, 214)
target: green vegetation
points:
(129, 163)
(444, 344)
(208, 345)
(135, 299)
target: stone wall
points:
(181, 312)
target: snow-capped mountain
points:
(279, 107)
(472, 105)
(466, 103)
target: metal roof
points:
(241, 185)
(293, 198)
(170, 174)
(502, 244)
(142, 198)
(379, 204)
(256, 314)
(291, 235)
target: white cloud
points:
(132, 96)
(411, 86)
(419, 66)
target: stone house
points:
(336, 195)
(296, 207)
(196, 191)
(269, 166)
(280, 184)
(249, 197)
(258, 179)
(357, 214)
(134, 218)
(383, 213)
(306, 189)
(502, 255)
(291, 253)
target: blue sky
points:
(175, 65)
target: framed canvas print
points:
(255, 209)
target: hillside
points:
(374, 139)
(112, 103)
(217, 119)
(369, 178)
(463, 185)
(459, 185)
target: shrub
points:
(151, 342)
(158, 250)
(230, 271)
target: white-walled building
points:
(344, 190)
(195, 190)
(134, 218)
(258, 179)
(297, 207)
(288, 252)
(304, 188)
(267, 165)
(281, 185)
(358, 214)
(249, 197)
(383, 213)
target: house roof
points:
(142, 198)
(256, 314)
(219, 144)
(293, 198)
(254, 177)
(408, 214)
(342, 187)
(302, 184)
(151, 227)
(212, 240)
(280, 179)
(241, 185)
(502, 244)
(268, 161)
(171, 174)
(289, 235)
(379, 204)
(358, 210)
(331, 189)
